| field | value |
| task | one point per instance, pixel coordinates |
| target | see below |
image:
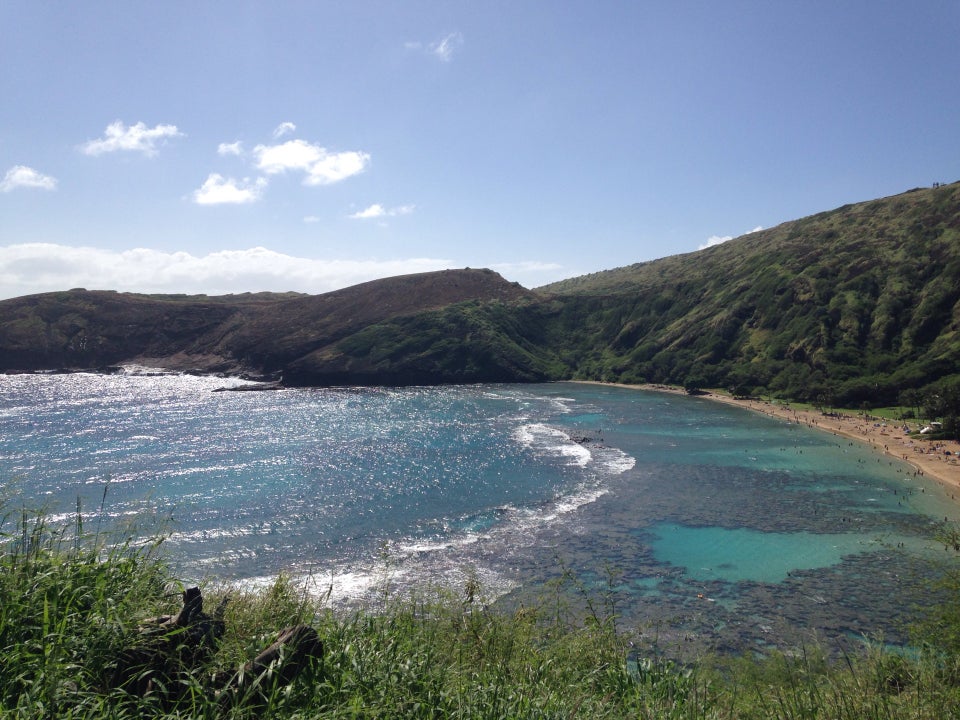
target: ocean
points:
(696, 523)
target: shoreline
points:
(926, 458)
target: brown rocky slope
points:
(256, 334)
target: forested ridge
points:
(850, 306)
(855, 306)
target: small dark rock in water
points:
(252, 387)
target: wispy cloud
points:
(284, 128)
(39, 267)
(379, 211)
(137, 138)
(320, 167)
(720, 239)
(443, 49)
(234, 148)
(218, 190)
(21, 176)
(446, 46)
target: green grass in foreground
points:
(69, 608)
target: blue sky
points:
(241, 146)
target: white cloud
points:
(21, 176)
(320, 167)
(446, 46)
(218, 190)
(378, 211)
(40, 267)
(291, 155)
(374, 211)
(714, 240)
(136, 137)
(336, 167)
(443, 49)
(234, 148)
(309, 219)
(720, 239)
(283, 128)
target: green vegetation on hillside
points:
(70, 607)
(848, 307)
(858, 306)
(465, 342)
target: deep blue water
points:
(704, 522)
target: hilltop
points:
(287, 334)
(854, 305)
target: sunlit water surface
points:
(696, 522)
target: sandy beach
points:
(929, 458)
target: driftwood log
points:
(295, 649)
(173, 653)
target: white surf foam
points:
(545, 440)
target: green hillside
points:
(858, 305)
(290, 335)
(852, 305)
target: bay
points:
(694, 522)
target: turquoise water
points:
(715, 553)
(705, 521)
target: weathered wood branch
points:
(173, 649)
